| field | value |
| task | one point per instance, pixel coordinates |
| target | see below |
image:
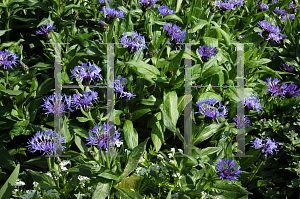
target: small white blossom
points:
(141, 160)
(29, 194)
(160, 156)
(155, 167)
(173, 150)
(171, 155)
(177, 175)
(35, 184)
(14, 191)
(172, 161)
(180, 150)
(64, 163)
(127, 151)
(83, 179)
(96, 165)
(19, 183)
(81, 195)
(52, 193)
(141, 171)
(22, 173)
(174, 196)
(118, 143)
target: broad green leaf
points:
(6, 161)
(140, 112)
(245, 163)
(133, 159)
(102, 189)
(2, 32)
(212, 71)
(45, 182)
(256, 63)
(199, 25)
(175, 63)
(210, 150)
(108, 175)
(170, 106)
(145, 70)
(157, 134)
(206, 133)
(12, 92)
(82, 119)
(7, 188)
(45, 87)
(130, 135)
(39, 161)
(19, 128)
(126, 193)
(229, 191)
(81, 146)
(172, 17)
(224, 34)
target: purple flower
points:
(226, 6)
(279, 11)
(84, 100)
(57, 104)
(289, 15)
(267, 144)
(111, 12)
(90, 74)
(264, 7)
(147, 3)
(7, 59)
(99, 136)
(135, 43)
(288, 68)
(46, 30)
(165, 11)
(121, 88)
(226, 169)
(274, 1)
(274, 88)
(237, 3)
(206, 52)
(270, 32)
(274, 55)
(240, 122)
(293, 6)
(175, 32)
(252, 103)
(291, 89)
(47, 141)
(210, 111)
(102, 1)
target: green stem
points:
(52, 174)
(6, 77)
(164, 46)
(228, 17)
(262, 161)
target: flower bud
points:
(151, 89)
(182, 12)
(169, 74)
(98, 118)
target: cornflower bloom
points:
(291, 89)
(85, 100)
(175, 32)
(274, 88)
(226, 6)
(279, 11)
(241, 122)
(289, 15)
(102, 1)
(252, 103)
(7, 59)
(90, 74)
(99, 136)
(268, 145)
(288, 68)
(293, 6)
(274, 1)
(121, 88)
(264, 7)
(47, 141)
(270, 32)
(210, 111)
(111, 13)
(57, 104)
(165, 11)
(135, 43)
(206, 52)
(45, 30)
(227, 170)
(238, 3)
(147, 3)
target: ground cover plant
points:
(149, 88)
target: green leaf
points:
(157, 133)
(209, 41)
(82, 119)
(45, 87)
(270, 71)
(172, 17)
(126, 193)
(170, 106)
(108, 175)
(210, 150)
(212, 71)
(230, 191)
(145, 70)
(102, 189)
(45, 181)
(140, 112)
(256, 63)
(2, 32)
(130, 135)
(224, 34)
(133, 159)
(206, 133)
(39, 161)
(245, 163)
(6, 161)
(199, 25)
(176, 61)
(7, 188)
(81, 146)
(19, 128)
(12, 92)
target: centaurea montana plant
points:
(228, 5)
(227, 168)
(174, 32)
(288, 68)
(89, 74)
(270, 32)
(121, 88)
(165, 11)
(99, 136)
(208, 109)
(263, 7)
(111, 13)
(84, 100)
(135, 43)
(280, 11)
(45, 30)
(206, 52)
(102, 1)
(291, 17)
(274, 88)
(146, 4)
(240, 122)
(293, 6)
(252, 103)
(57, 104)
(48, 142)
(7, 59)
(267, 144)
(292, 90)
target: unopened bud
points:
(169, 74)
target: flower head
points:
(279, 11)
(7, 59)
(147, 3)
(57, 104)
(293, 6)
(264, 7)
(99, 136)
(270, 32)
(46, 30)
(121, 88)
(47, 141)
(227, 5)
(274, 88)
(84, 100)
(288, 68)
(268, 145)
(240, 122)
(210, 111)
(175, 32)
(291, 89)
(90, 74)
(165, 11)
(102, 1)
(289, 15)
(135, 43)
(111, 12)
(252, 103)
(226, 169)
(207, 52)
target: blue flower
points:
(120, 87)
(252, 103)
(7, 59)
(291, 89)
(48, 142)
(264, 7)
(147, 3)
(240, 122)
(57, 104)
(267, 144)
(279, 11)
(210, 111)
(135, 43)
(270, 32)
(102, 1)
(90, 74)
(165, 11)
(227, 169)
(289, 15)
(84, 100)
(293, 6)
(111, 12)
(99, 136)
(175, 32)
(274, 88)
(46, 30)
(288, 68)
(206, 52)
(227, 5)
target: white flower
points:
(64, 163)
(180, 150)
(173, 150)
(141, 160)
(14, 191)
(29, 194)
(96, 165)
(52, 193)
(141, 171)
(118, 143)
(19, 183)
(49, 174)
(171, 155)
(160, 156)
(35, 184)
(177, 175)
(20, 174)
(174, 196)
(172, 161)
(127, 151)
(155, 167)
(81, 195)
